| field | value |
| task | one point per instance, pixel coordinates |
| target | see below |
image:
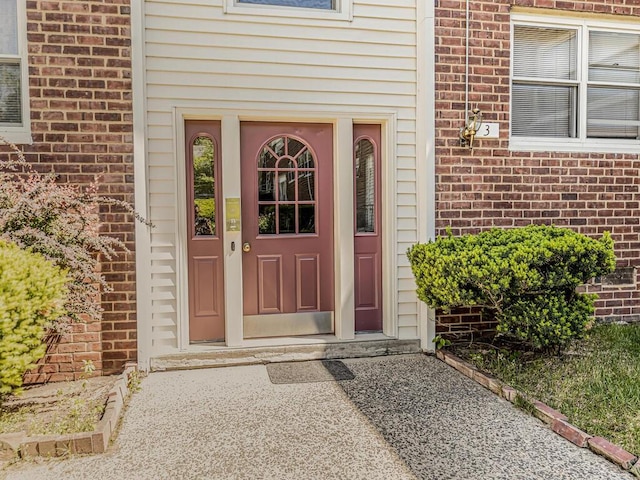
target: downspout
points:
(466, 63)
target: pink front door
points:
(204, 227)
(368, 235)
(287, 228)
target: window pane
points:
(612, 112)
(287, 218)
(614, 57)
(307, 218)
(286, 186)
(266, 188)
(305, 160)
(365, 187)
(294, 147)
(277, 145)
(267, 219)
(286, 163)
(10, 98)
(267, 160)
(8, 27)
(322, 4)
(544, 52)
(543, 111)
(306, 186)
(204, 187)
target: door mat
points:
(308, 372)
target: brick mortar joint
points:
(552, 416)
(24, 446)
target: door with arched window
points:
(287, 228)
(204, 231)
(367, 228)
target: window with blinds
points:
(575, 81)
(10, 66)
(613, 89)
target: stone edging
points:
(19, 445)
(554, 419)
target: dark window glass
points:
(286, 166)
(321, 4)
(365, 186)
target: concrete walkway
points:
(402, 417)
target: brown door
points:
(204, 223)
(287, 228)
(367, 236)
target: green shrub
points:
(525, 278)
(32, 294)
(62, 222)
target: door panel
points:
(368, 226)
(287, 213)
(270, 284)
(308, 282)
(205, 279)
(204, 227)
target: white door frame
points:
(343, 219)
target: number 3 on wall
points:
(488, 130)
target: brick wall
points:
(492, 186)
(81, 118)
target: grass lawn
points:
(596, 382)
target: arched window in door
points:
(286, 187)
(365, 186)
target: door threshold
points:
(263, 351)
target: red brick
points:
(493, 186)
(546, 413)
(571, 433)
(613, 452)
(64, 81)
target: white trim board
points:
(142, 232)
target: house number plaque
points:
(232, 209)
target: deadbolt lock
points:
(246, 247)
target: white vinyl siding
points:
(199, 57)
(575, 84)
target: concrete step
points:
(224, 357)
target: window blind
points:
(10, 94)
(545, 53)
(613, 94)
(541, 107)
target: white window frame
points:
(20, 134)
(581, 143)
(343, 10)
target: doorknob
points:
(246, 247)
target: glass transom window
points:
(575, 82)
(320, 4)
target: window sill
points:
(344, 14)
(16, 137)
(572, 145)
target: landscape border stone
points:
(19, 445)
(554, 419)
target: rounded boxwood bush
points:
(524, 278)
(32, 294)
